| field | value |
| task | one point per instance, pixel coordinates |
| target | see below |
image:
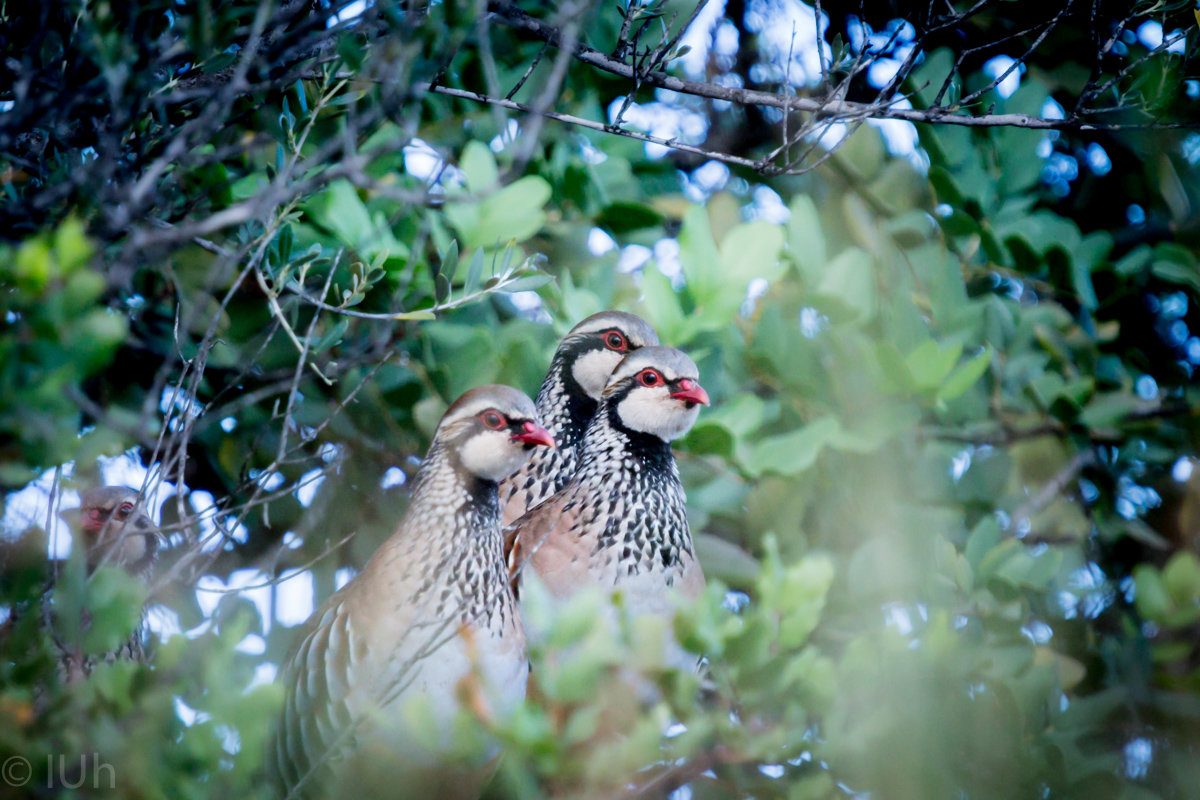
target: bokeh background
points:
(946, 492)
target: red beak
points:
(533, 434)
(91, 520)
(690, 392)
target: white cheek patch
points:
(654, 411)
(133, 548)
(591, 370)
(493, 455)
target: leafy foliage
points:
(944, 495)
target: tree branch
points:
(888, 109)
(596, 126)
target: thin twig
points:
(598, 126)
(878, 110)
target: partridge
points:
(111, 530)
(427, 630)
(620, 524)
(114, 534)
(567, 401)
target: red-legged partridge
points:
(567, 401)
(620, 524)
(113, 532)
(426, 634)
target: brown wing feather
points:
(692, 584)
(332, 661)
(525, 536)
(542, 524)
(315, 716)
(513, 558)
(513, 507)
(554, 542)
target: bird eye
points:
(614, 340)
(124, 510)
(649, 377)
(492, 419)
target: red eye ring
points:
(650, 377)
(615, 340)
(493, 419)
(124, 510)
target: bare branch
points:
(879, 110)
(599, 126)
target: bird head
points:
(594, 347)
(492, 429)
(115, 531)
(657, 391)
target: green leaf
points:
(791, 453)
(944, 186)
(1017, 150)
(930, 363)
(850, 279)
(332, 337)
(960, 223)
(474, 272)
(1135, 260)
(1174, 272)
(1152, 599)
(983, 538)
(741, 415)
(708, 437)
(750, 251)
(619, 218)
(71, 246)
(1181, 577)
(115, 601)
(699, 256)
(1109, 408)
(33, 265)
(927, 79)
(450, 261)
(339, 210)
(513, 213)
(1017, 565)
(351, 52)
(479, 166)
(964, 376)
(661, 304)
(794, 594)
(806, 237)
(527, 283)
(1081, 278)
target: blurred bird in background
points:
(109, 529)
(114, 531)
